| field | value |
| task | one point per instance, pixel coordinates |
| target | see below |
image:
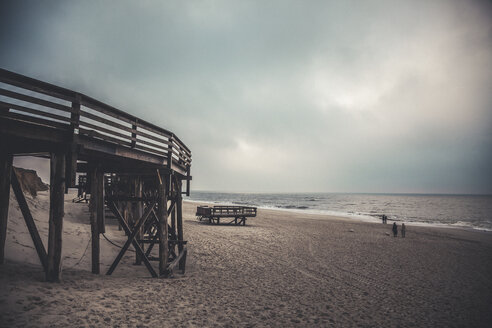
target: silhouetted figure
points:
(395, 229)
(403, 230)
(384, 218)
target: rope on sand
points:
(114, 244)
(83, 255)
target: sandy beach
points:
(282, 269)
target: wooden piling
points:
(5, 175)
(94, 223)
(57, 190)
(100, 201)
(162, 231)
(137, 213)
(179, 219)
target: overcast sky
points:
(283, 96)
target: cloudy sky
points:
(283, 96)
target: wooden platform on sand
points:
(214, 214)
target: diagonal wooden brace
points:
(131, 239)
(31, 226)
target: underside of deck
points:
(85, 137)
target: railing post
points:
(5, 178)
(71, 163)
(57, 186)
(134, 134)
(170, 152)
(75, 114)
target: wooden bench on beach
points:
(214, 214)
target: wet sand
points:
(282, 269)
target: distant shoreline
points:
(326, 215)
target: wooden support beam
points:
(31, 226)
(162, 231)
(100, 200)
(188, 180)
(131, 239)
(94, 223)
(179, 219)
(138, 249)
(57, 192)
(180, 258)
(5, 175)
(137, 213)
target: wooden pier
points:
(238, 214)
(131, 167)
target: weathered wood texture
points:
(5, 176)
(163, 233)
(93, 206)
(99, 195)
(137, 209)
(57, 190)
(179, 219)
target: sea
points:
(461, 211)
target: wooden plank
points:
(29, 83)
(154, 128)
(91, 148)
(163, 145)
(102, 129)
(95, 134)
(57, 190)
(36, 120)
(162, 231)
(34, 100)
(103, 120)
(151, 137)
(151, 150)
(95, 242)
(5, 177)
(35, 111)
(31, 225)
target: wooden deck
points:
(239, 214)
(82, 135)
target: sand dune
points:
(282, 269)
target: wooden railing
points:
(226, 211)
(45, 104)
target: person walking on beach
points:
(403, 230)
(395, 229)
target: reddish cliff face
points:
(30, 181)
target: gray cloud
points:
(376, 96)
